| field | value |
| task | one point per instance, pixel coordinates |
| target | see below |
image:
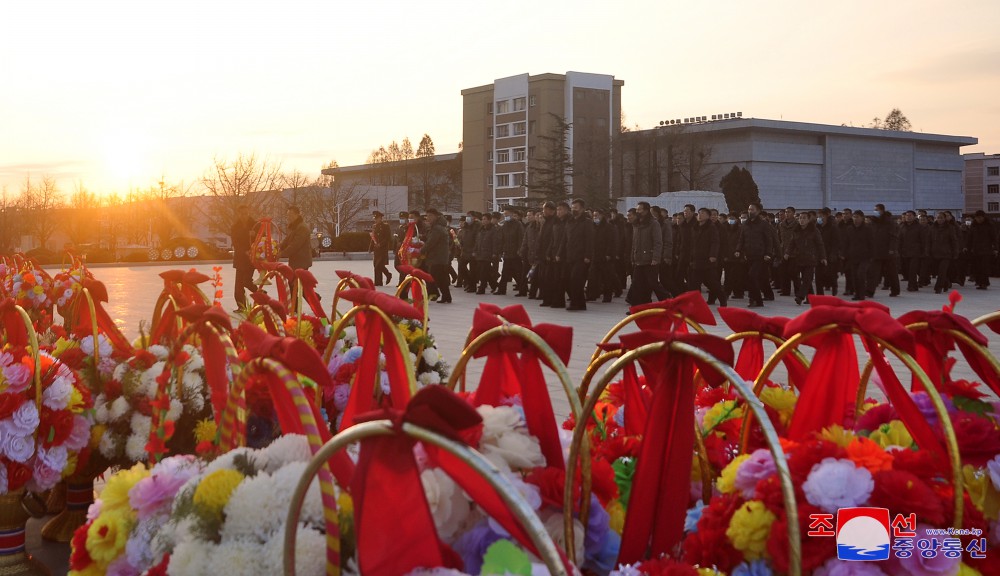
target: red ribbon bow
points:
(416, 295)
(751, 357)
(830, 390)
(515, 367)
(309, 283)
(395, 527)
(373, 334)
(362, 281)
(654, 523)
(17, 332)
(688, 305)
(183, 288)
(936, 341)
(105, 325)
(262, 298)
(201, 318)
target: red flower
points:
(79, 558)
(345, 373)
(602, 477)
(667, 567)
(962, 388)
(769, 492)
(921, 463)
(877, 416)
(903, 493)
(17, 475)
(616, 447)
(73, 357)
(808, 454)
(978, 437)
(551, 484)
(711, 547)
(142, 359)
(9, 403)
(55, 426)
(815, 551)
(161, 568)
(112, 390)
(708, 396)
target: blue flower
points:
(472, 546)
(598, 527)
(693, 516)
(606, 558)
(755, 568)
(620, 417)
(353, 354)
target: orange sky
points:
(118, 94)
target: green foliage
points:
(624, 470)
(553, 168)
(504, 558)
(739, 188)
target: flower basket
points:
(348, 280)
(13, 519)
(416, 281)
(180, 289)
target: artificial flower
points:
(214, 490)
(749, 528)
(727, 479)
(868, 454)
(893, 433)
(833, 484)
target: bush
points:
(352, 242)
(99, 256)
(44, 256)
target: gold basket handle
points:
(632, 318)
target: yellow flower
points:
(725, 410)
(749, 528)
(893, 433)
(966, 570)
(783, 401)
(70, 468)
(838, 435)
(204, 431)
(76, 404)
(727, 480)
(710, 572)
(214, 491)
(114, 497)
(96, 433)
(617, 513)
(107, 536)
(62, 345)
(866, 406)
(141, 341)
(345, 512)
(984, 496)
(94, 569)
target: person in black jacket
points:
(437, 253)
(467, 237)
(242, 236)
(858, 251)
(755, 243)
(398, 243)
(485, 253)
(944, 250)
(735, 269)
(705, 257)
(884, 262)
(826, 275)
(546, 266)
(602, 279)
(983, 247)
(529, 255)
(381, 244)
(804, 250)
(511, 235)
(647, 253)
(579, 254)
(297, 245)
(556, 284)
(912, 248)
(683, 248)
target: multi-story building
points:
(798, 163)
(508, 126)
(981, 182)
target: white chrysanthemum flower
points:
(57, 395)
(100, 409)
(118, 409)
(135, 447)
(285, 481)
(431, 356)
(195, 361)
(120, 370)
(148, 385)
(284, 450)
(236, 557)
(108, 445)
(141, 425)
(837, 483)
(196, 403)
(191, 558)
(506, 441)
(448, 504)
(350, 335)
(248, 516)
(226, 460)
(161, 352)
(176, 409)
(429, 378)
(310, 553)
(192, 384)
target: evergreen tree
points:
(739, 189)
(551, 171)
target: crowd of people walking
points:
(566, 254)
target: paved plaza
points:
(132, 292)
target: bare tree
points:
(82, 220)
(38, 203)
(245, 180)
(10, 223)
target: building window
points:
(489, 156)
(489, 132)
(503, 130)
(531, 100)
(519, 129)
(489, 180)
(993, 206)
(518, 154)
(518, 179)
(993, 170)
(489, 107)
(503, 180)
(503, 106)
(518, 104)
(993, 189)
(531, 127)
(503, 156)
(531, 152)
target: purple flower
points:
(121, 567)
(754, 568)
(926, 406)
(598, 526)
(759, 466)
(341, 394)
(18, 377)
(472, 546)
(150, 494)
(18, 448)
(693, 516)
(336, 361)
(834, 567)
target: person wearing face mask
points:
(804, 252)
(467, 238)
(601, 281)
(826, 274)
(511, 237)
(884, 263)
(755, 243)
(735, 268)
(705, 258)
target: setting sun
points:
(125, 157)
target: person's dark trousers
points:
(756, 279)
(736, 276)
(785, 273)
(511, 273)
(441, 281)
(959, 269)
(554, 286)
(463, 272)
(644, 282)
(452, 274)
(804, 276)
(859, 272)
(912, 271)
(848, 278)
(576, 282)
(484, 272)
(943, 280)
(535, 284)
(926, 265)
(244, 282)
(710, 279)
(399, 275)
(883, 267)
(381, 271)
(826, 278)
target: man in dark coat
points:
(485, 253)
(467, 238)
(983, 247)
(529, 255)
(705, 258)
(554, 289)
(755, 243)
(511, 236)
(683, 249)
(602, 280)
(829, 230)
(735, 269)
(858, 251)
(437, 255)
(805, 251)
(381, 244)
(297, 245)
(546, 266)
(398, 243)
(579, 254)
(242, 236)
(912, 248)
(884, 262)
(944, 249)
(647, 253)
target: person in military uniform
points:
(381, 244)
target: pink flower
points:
(917, 565)
(760, 465)
(44, 478)
(18, 376)
(834, 567)
(150, 494)
(80, 435)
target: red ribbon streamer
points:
(688, 305)
(105, 325)
(936, 342)
(750, 360)
(202, 317)
(17, 332)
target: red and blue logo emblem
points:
(863, 534)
